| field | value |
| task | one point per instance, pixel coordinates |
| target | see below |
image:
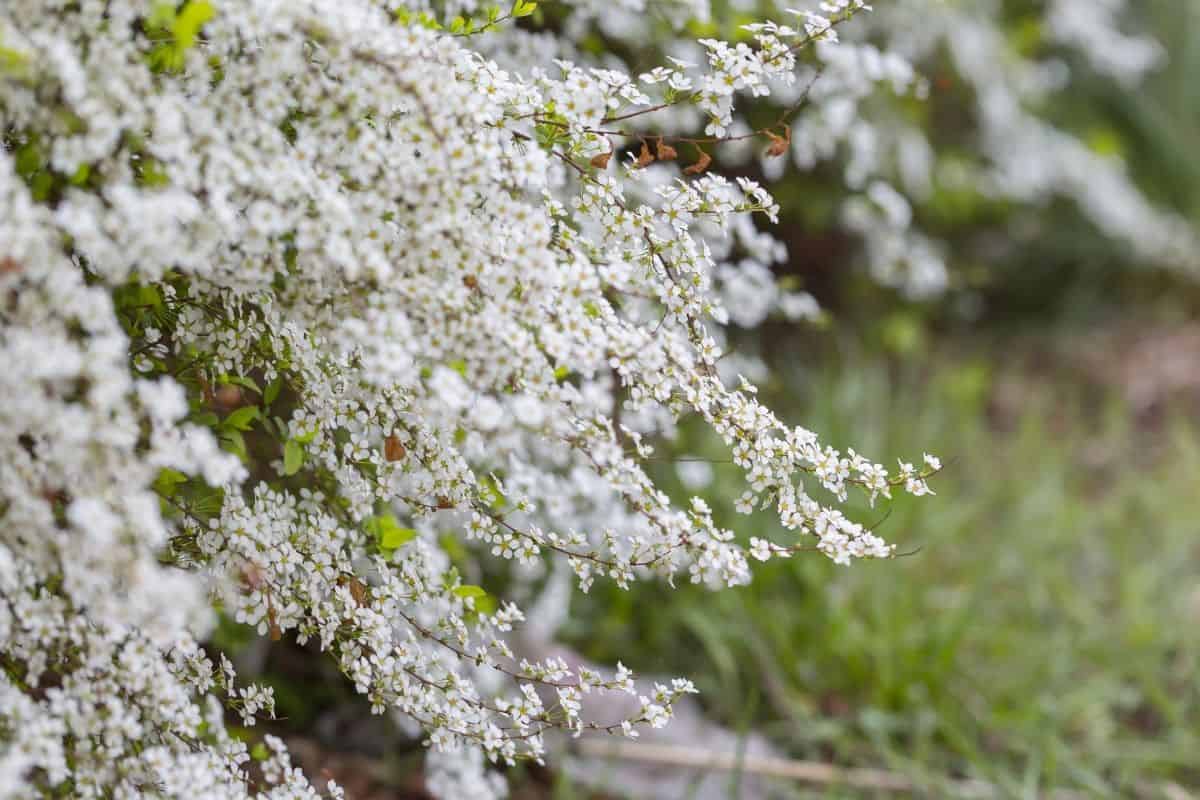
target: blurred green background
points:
(1045, 633)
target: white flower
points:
(487, 413)
(449, 388)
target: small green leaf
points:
(162, 15)
(459, 366)
(29, 159)
(13, 62)
(397, 538)
(242, 419)
(189, 21)
(272, 391)
(484, 603)
(167, 482)
(206, 418)
(233, 442)
(293, 457)
(243, 381)
(259, 752)
(140, 296)
(388, 533)
(205, 500)
(457, 24)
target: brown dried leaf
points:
(666, 152)
(359, 591)
(393, 449)
(645, 158)
(601, 161)
(778, 146)
(273, 622)
(701, 164)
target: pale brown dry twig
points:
(814, 772)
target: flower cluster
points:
(292, 294)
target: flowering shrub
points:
(300, 297)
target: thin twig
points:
(815, 772)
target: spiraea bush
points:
(293, 295)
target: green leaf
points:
(457, 24)
(42, 184)
(523, 8)
(29, 159)
(139, 295)
(189, 21)
(233, 442)
(484, 603)
(167, 482)
(259, 752)
(13, 62)
(243, 381)
(293, 457)
(162, 15)
(205, 500)
(388, 533)
(183, 26)
(459, 366)
(153, 174)
(242, 419)
(492, 490)
(469, 590)
(272, 392)
(206, 418)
